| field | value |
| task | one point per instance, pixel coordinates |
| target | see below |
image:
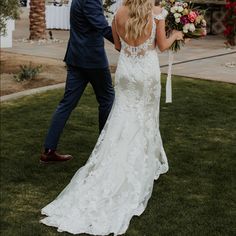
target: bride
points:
(116, 182)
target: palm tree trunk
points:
(37, 20)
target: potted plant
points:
(9, 12)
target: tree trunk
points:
(37, 20)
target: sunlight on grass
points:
(194, 198)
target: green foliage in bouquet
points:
(9, 9)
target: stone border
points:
(17, 95)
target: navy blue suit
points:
(86, 63)
(88, 28)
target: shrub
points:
(28, 72)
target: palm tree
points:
(37, 19)
(107, 4)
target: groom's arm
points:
(93, 11)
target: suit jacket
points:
(88, 27)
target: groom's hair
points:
(157, 2)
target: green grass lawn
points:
(196, 196)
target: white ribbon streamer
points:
(168, 80)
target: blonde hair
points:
(139, 15)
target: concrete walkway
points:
(204, 58)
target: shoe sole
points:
(53, 162)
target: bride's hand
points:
(179, 35)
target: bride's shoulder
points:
(159, 13)
(157, 10)
(121, 11)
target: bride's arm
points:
(115, 36)
(162, 41)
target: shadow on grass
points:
(194, 198)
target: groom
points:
(86, 63)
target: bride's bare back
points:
(119, 30)
(121, 18)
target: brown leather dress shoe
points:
(53, 157)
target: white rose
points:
(163, 3)
(177, 15)
(177, 20)
(176, 8)
(172, 10)
(186, 28)
(192, 27)
(203, 22)
(180, 9)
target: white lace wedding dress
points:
(116, 182)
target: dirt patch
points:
(53, 72)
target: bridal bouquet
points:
(184, 17)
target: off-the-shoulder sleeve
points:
(162, 15)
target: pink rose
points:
(192, 16)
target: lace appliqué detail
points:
(140, 51)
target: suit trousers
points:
(76, 82)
